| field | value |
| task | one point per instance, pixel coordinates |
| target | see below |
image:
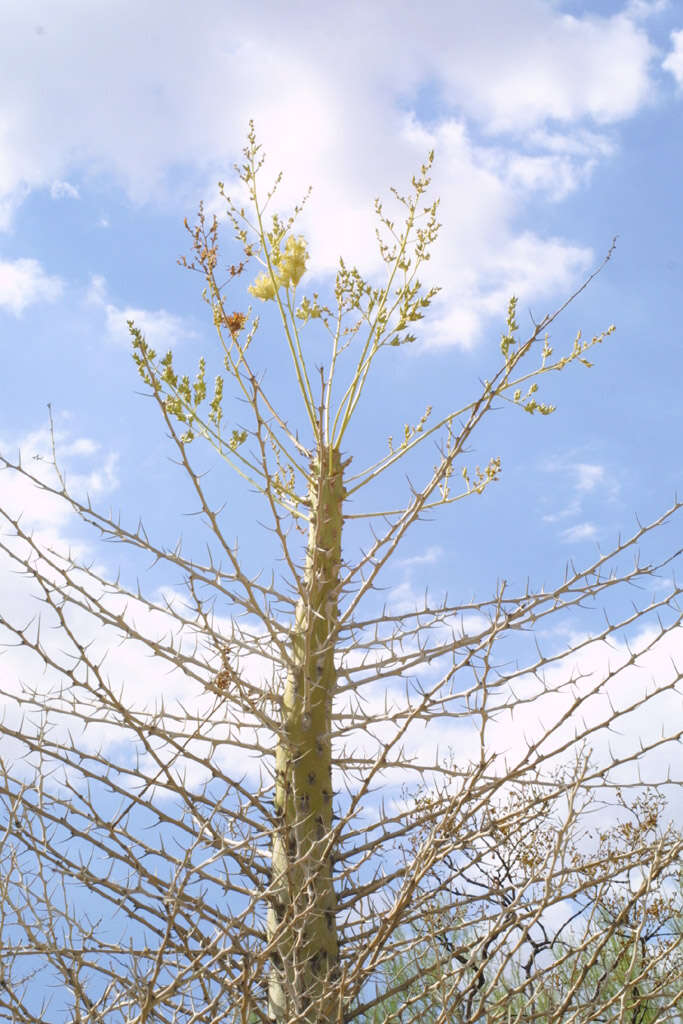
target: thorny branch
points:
(485, 873)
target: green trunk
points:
(303, 904)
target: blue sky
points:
(556, 127)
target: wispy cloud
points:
(64, 190)
(581, 531)
(586, 478)
(588, 475)
(429, 557)
(641, 9)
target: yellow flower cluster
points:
(290, 266)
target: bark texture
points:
(301, 916)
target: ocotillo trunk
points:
(301, 916)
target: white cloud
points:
(674, 60)
(170, 93)
(589, 475)
(576, 67)
(428, 557)
(553, 174)
(40, 510)
(641, 9)
(480, 245)
(604, 675)
(161, 329)
(63, 189)
(581, 142)
(587, 478)
(54, 528)
(571, 509)
(581, 531)
(611, 677)
(614, 698)
(81, 446)
(144, 682)
(23, 283)
(402, 598)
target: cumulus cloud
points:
(618, 700)
(143, 682)
(54, 528)
(674, 60)
(39, 510)
(587, 66)
(611, 679)
(161, 329)
(480, 260)
(24, 282)
(547, 173)
(168, 99)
